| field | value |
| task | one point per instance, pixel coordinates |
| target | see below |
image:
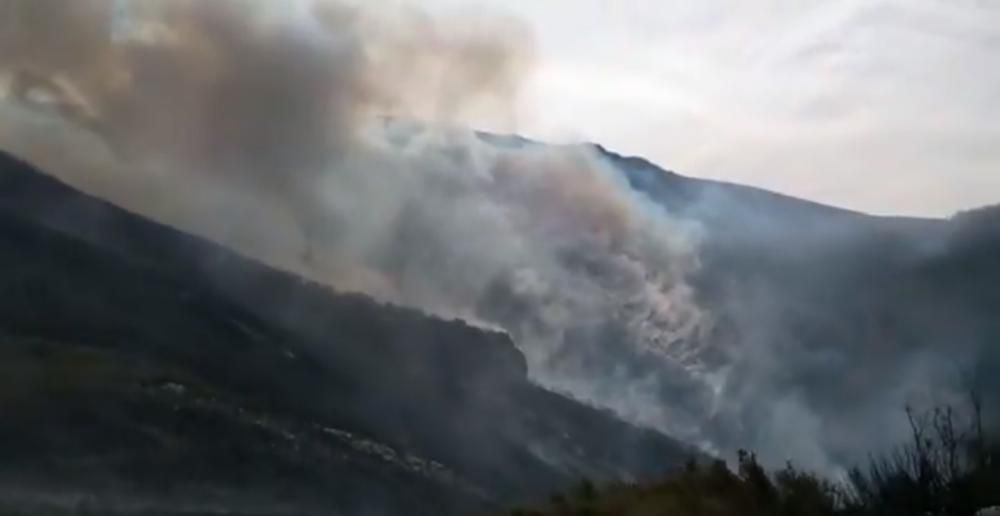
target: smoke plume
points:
(340, 118)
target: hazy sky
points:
(887, 106)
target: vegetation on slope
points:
(948, 468)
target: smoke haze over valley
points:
(339, 141)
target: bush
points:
(948, 467)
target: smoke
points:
(304, 109)
(321, 136)
(252, 88)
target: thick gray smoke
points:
(301, 107)
(317, 135)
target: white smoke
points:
(288, 107)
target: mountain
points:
(816, 326)
(146, 371)
(827, 322)
(172, 361)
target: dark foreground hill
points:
(144, 371)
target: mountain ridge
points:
(153, 318)
(835, 314)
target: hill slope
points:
(161, 374)
(825, 321)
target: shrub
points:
(948, 467)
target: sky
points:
(885, 106)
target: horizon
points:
(14, 138)
(884, 107)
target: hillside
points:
(825, 322)
(159, 374)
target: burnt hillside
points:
(147, 371)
